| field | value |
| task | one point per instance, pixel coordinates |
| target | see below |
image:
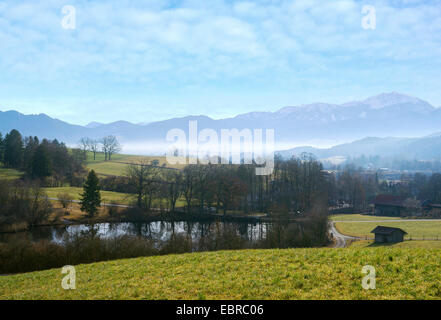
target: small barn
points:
(388, 234)
(388, 205)
(428, 205)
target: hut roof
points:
(387, 230)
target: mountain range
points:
(382, 116)
(424, 148)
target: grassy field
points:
(406, 244)
(359, 217)
(415, 229)
(118, 166)
(248, 274)
(9, 174)
(106, 196)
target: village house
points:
(388, 205)
(388, 234)
(428, 205)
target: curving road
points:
(340, 239)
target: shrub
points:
(65, 200)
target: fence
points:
(407, 238)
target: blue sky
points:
(143, 61)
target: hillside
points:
(118, 165)
(249, 274)
(424, 148)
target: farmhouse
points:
(388, 234)
(388, 205)
(429, 205)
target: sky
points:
(144, 61)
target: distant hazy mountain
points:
(425, 148)
(388, 114)
(41, 126)
(94, 124)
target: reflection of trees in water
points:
(200, 233)
(42, 233)
(135, 228)
(91, 230)
(15, 237)
(243, 230)
(188, 228)
(112, 228)
(58, 233)
(204, 229)
(147, 231)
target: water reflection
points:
(158, 230)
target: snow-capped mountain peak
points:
(392, 98)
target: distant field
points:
(248, 274)
(359, 217)
(415, 229)
(106, 196)
(118, 165)
(9, 174)
(406, 244)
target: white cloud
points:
(158, 47)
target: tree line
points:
(108, 145)
(294, 187)
(357, 187)
(49, 161)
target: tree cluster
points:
(221, 188)
(22, 203)
(108, 145)
(46, 160)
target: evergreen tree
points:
(41, 163)
(91, 197)
(13, 149)
(31, 144)
(1, 147)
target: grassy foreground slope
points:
(405, 244)
(250, 274)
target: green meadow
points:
(106, 196)
(324, 273)
(9, 174)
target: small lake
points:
(157, 231)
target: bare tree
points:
(65, 200)
(94, 147)
(110, 145)
(412, 207)
(39, 207)
(144, 179)
(189, 182)
(84, 144)
(174, 187)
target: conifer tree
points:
(91, 197)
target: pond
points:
(158, 231)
